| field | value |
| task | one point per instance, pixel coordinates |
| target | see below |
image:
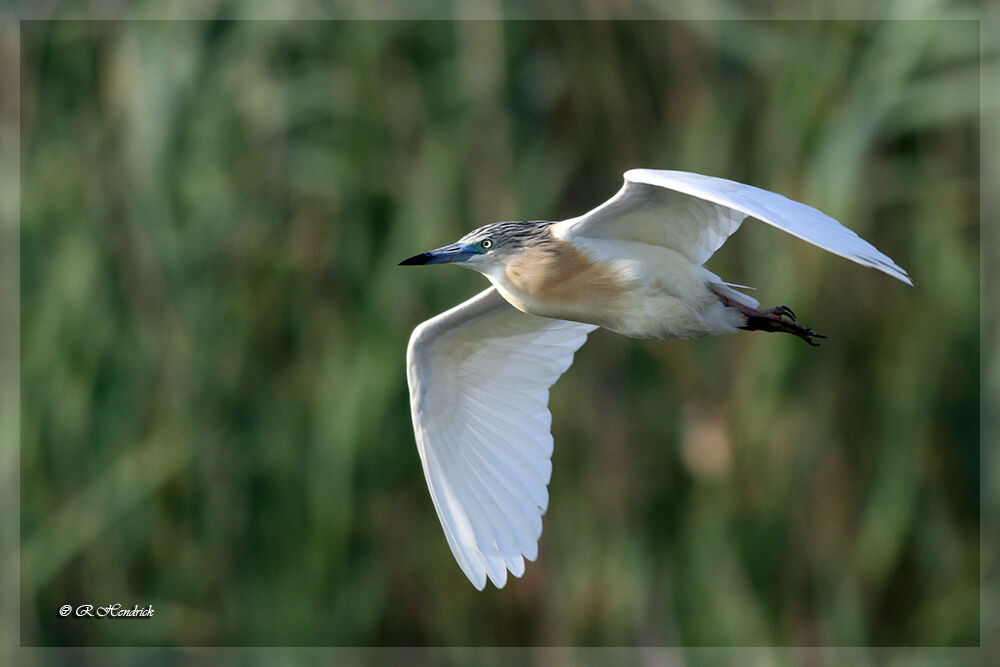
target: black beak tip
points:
(416, 260)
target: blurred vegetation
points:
(214, 408)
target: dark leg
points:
(779, 318)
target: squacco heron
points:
(480, 373)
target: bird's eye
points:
(487, 243)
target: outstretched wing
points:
(695, 214)
(479, 377)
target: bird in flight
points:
(479, 374)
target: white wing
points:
(695, 214)
(479, 377)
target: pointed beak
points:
(456, 252)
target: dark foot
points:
(774, 319)
(779, 318)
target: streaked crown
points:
(512, 236)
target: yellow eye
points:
(487, 243)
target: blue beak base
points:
(456, 252)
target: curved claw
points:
(782, 311)
(808, 334)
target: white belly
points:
(662, 294)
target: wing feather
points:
(483, 489)
(479, 377)
(506, 490)
(695, 214)
(460, 476)
(535, 470)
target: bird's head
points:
(489, 247)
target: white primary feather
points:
(479, 377)
(695, 214)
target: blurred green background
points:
(214, 412)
